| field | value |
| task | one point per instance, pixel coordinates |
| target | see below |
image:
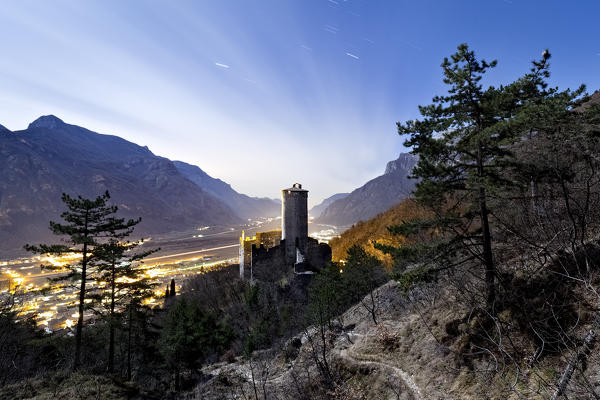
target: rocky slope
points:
(418, 350)
(50, 157)
(375, 196)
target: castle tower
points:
(294, 221)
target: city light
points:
(52, 304)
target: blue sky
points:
(269, 92)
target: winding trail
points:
(406, 379)
(351, 356)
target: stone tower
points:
(294, 221)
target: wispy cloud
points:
(221, 65)
(353, 56)
(305, 47)
(368, 40)
(412, 45)
(331, 29)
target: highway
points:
(191, 252)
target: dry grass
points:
(76, 386)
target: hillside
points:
(244, 206)
(363, 233)
(50, 157)
(416, 351)
(373, 197)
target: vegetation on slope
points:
(365, 233)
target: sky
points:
(265, 93)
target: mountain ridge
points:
(50, 157)
(317, 210)
(244, 206)
(375, 196)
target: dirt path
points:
(403, 375)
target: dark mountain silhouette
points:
(316, 211)
(244, 206)
(51, 157)
(373, 197)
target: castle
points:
(287, 250)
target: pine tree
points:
(119, 278)
(363, 274)
(464, 147)
(189, 334)
(87, 222)
(172, 292)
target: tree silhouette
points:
(86, 224)
(120, 280)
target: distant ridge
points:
(243, 206)
(375, 196)
(316, 211)
(50, 157)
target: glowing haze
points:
(266, 93)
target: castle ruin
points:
(287, 250)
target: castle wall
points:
(316, 256)
(266, 239)
(269, 264)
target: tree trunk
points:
(129, 344)
(490, 268)
(253, 380)
(79, 329)
(580, 356)
(488, 258)
(111, 326)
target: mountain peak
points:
(47, 121)
(405, 163)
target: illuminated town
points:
(51, 303)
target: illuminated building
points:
(290, 249)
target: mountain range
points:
(317, 210)
(50, 157)
(243, 205)
(374, 197)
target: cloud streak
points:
(214, 86)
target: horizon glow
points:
(265, 94)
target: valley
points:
(180, 255)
